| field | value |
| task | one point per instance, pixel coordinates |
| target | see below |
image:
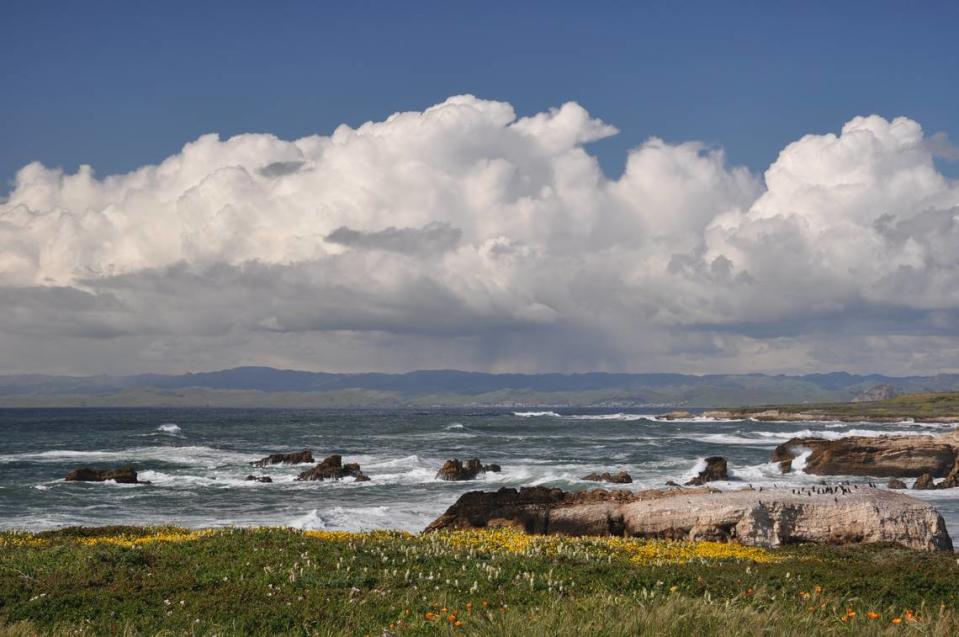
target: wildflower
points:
(873, 615)
(896, 620)
(429, 616)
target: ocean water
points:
(197, 460)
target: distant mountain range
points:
(268, 387)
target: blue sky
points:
(122, 84)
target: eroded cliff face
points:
(770, 518)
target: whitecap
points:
(408, 517)
(536, 414)
(620, 416)
(697, 468)
(799, 462)
(170, 428)
(187, 455)
(732, 439)
(836, 435)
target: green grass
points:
(126, 581)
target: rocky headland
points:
(769, 518)
(941, 407)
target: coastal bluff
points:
(768, 518)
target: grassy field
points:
(135, 581)
(918, 406)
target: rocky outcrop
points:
(620, 477)
(332, 468)
(881, 456)
(298, 457)
(716, 469)
(896, 483)
(265, 479)
(769, 518)
(456, 470)
(676, 415)
(924, 482)
(125, 475)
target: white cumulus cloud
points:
(465, 236)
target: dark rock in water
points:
(126, 475)
(924, 482)
(297, 457)
(672, 483)
(896, 483)
(332, 468)
(716, 469)
(259, 479)
(620, 477)
(681, 414)
(889, 457)
(456, 470)
(774, 517)
(361, 477)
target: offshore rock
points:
(620, 477)
(716, 469)
(924, 482)
(769, 518)
(125, 475)
(456, 470)
(285, 458)
(881, 456)
(332, 468)
(896, 483)
(264, 479)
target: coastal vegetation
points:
(171, 581)
(928, 406)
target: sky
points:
(700, 188)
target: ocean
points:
(197, 461)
